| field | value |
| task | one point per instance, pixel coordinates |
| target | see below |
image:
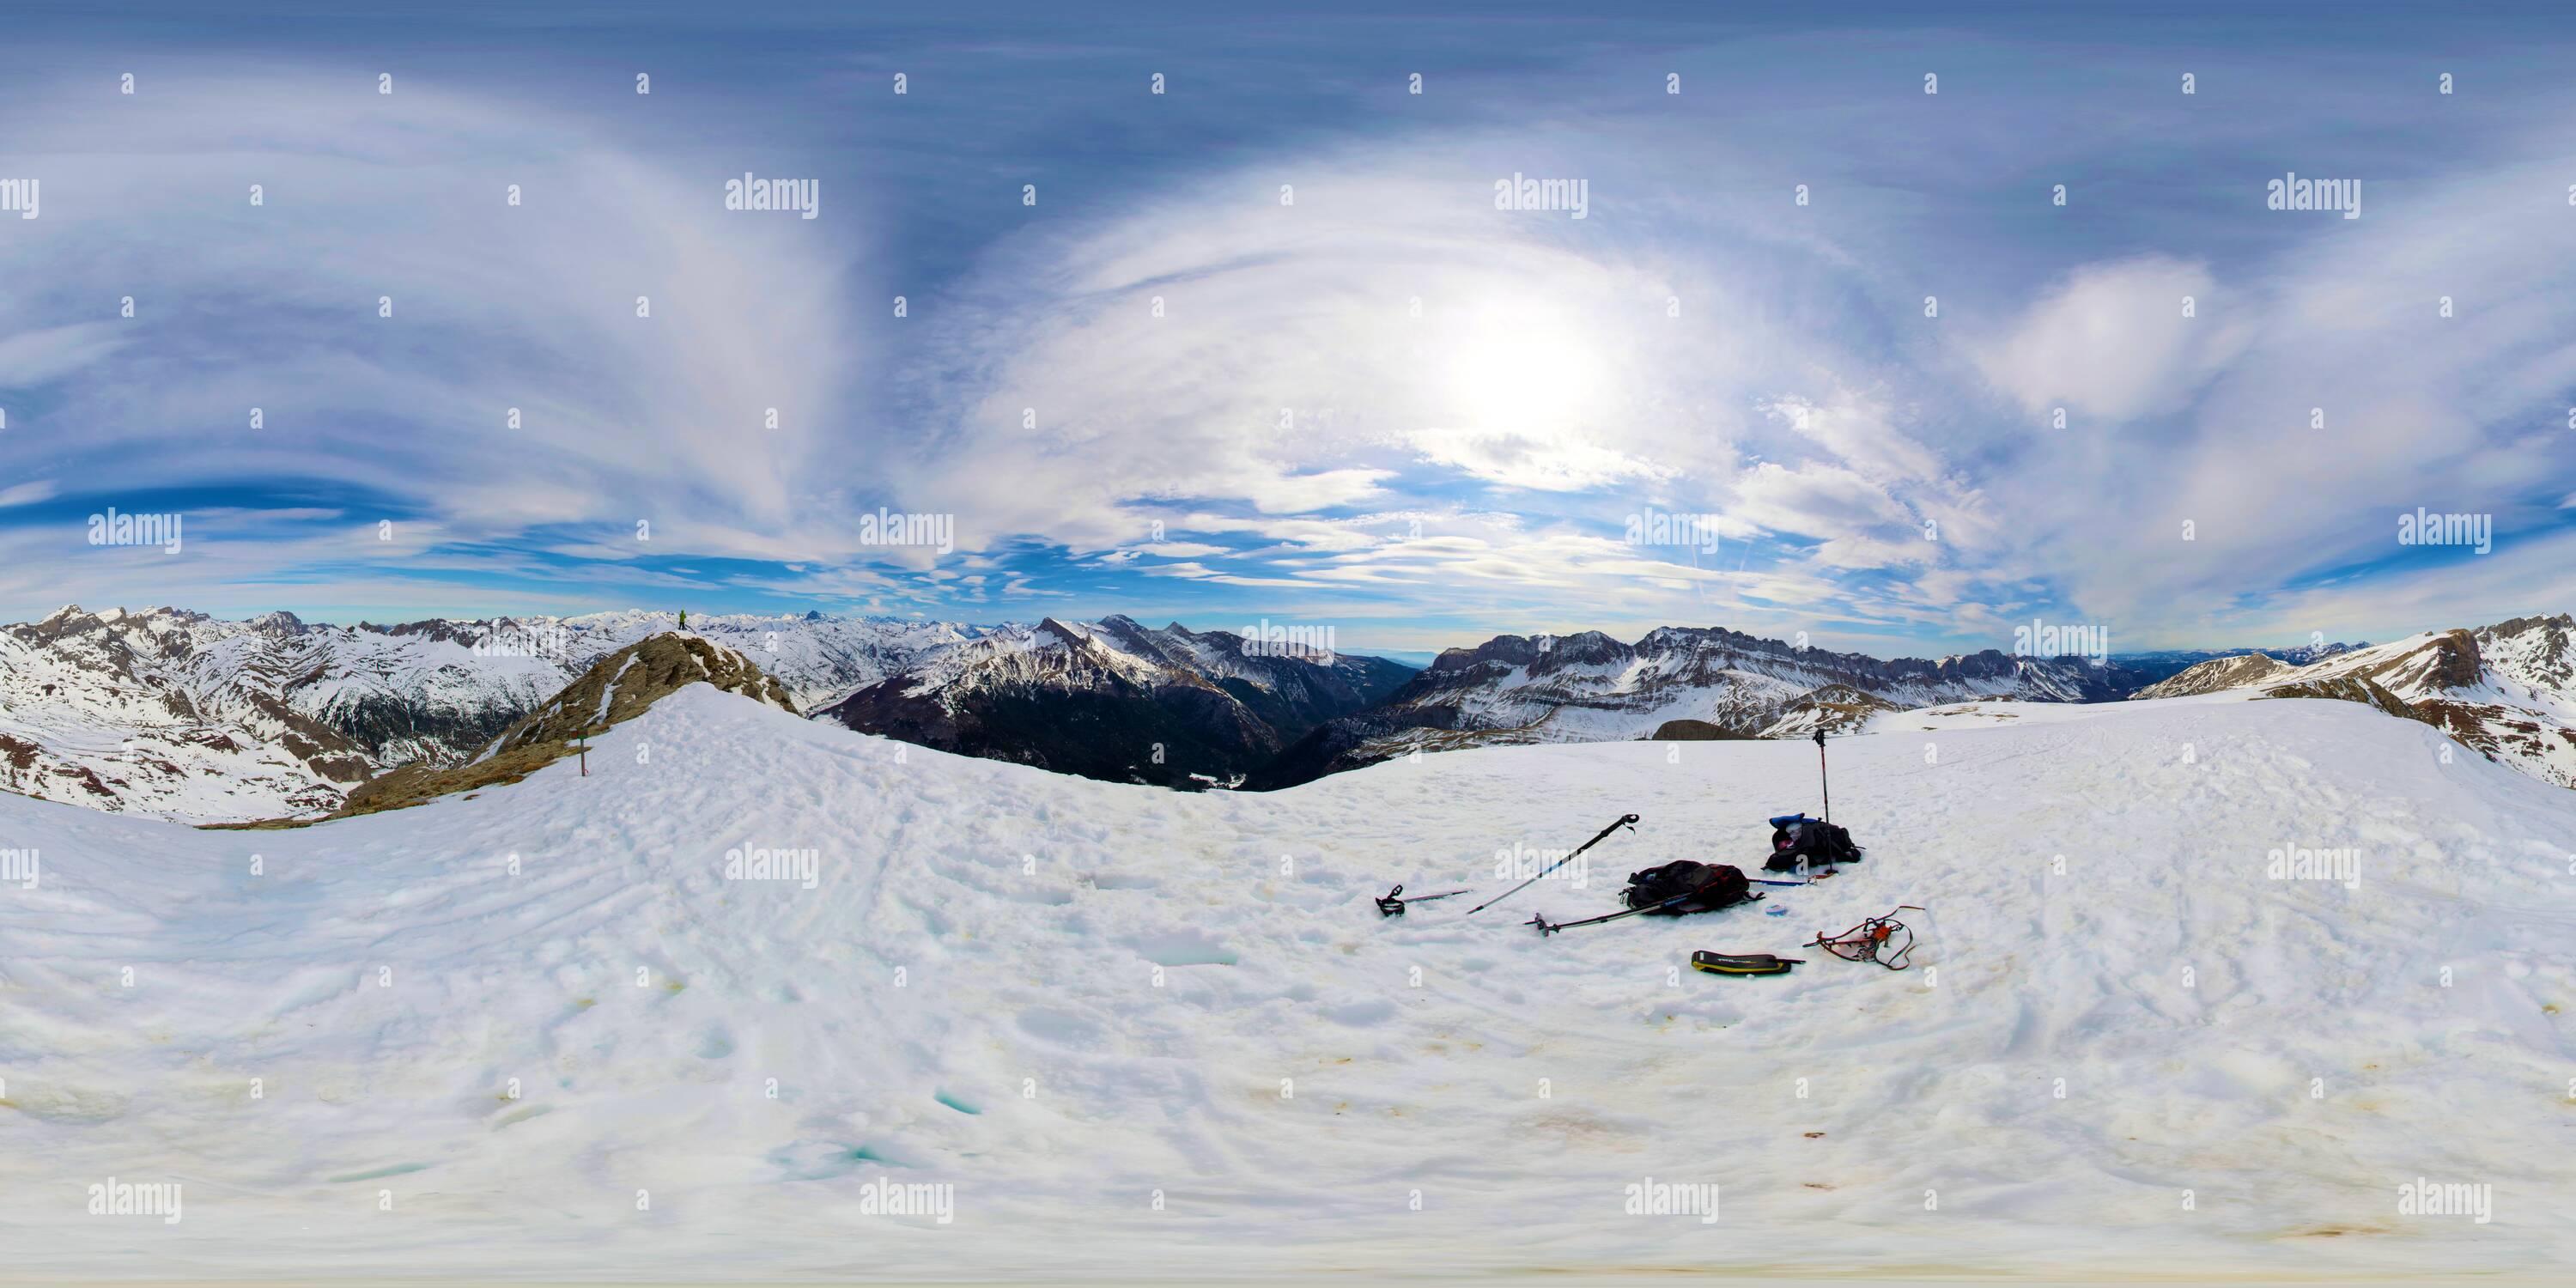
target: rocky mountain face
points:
(2216, 674)
(1119, 701)
(1589, 688)
(182, 715)
(1834, 708)
(2507, 691)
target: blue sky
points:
(1263, 348)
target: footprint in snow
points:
(1182, 948)
(715, 1042)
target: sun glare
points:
(1524, 372)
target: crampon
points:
(1875, 940)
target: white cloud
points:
(2111, 343)
(1814, 500)
(494, 307)
(28, 493)
(2463, 413)
(31, 358)
(1247, 371)
(1214, 346)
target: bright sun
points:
(1524, 373)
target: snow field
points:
(1062, 998)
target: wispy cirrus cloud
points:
(1319, 372)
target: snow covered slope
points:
(1137, 1030)
(2507, 691)
(619, 687)
(181, 715)
(2216, 674)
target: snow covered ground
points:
(1146, 1034)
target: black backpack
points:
(1700, 887)
(1821, 844)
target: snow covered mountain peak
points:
(1050, 632)
(2539, 652)
(279, 625)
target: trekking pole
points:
(1820, 774)
(1628, 821)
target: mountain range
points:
(181, 715)
(1119, 700)
(2507, 691)
(1589, 687)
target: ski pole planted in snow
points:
(1628, 821)
(1820, 774)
